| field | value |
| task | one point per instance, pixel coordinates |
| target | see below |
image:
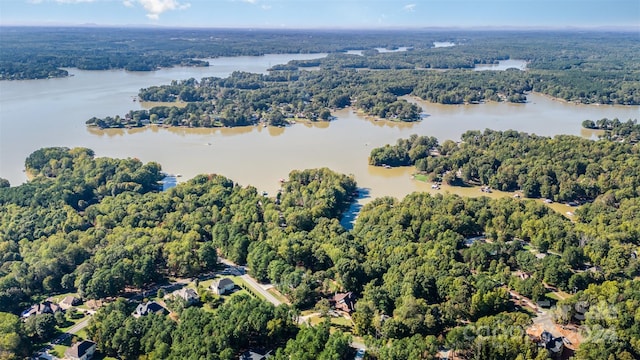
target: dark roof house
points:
(46, 307)
(255, 354)
(82, 350)
(343, 301)
(551, 343)
(148, 308)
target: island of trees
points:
(375, 82)
(420, 277)
(616, 130)
(563, 168)
(585, 67)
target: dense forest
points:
(100, 226)
(563, 168)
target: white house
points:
(189, 295)
(82, 350)
(222, 286)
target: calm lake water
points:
(440, 44)
(502, 65)
(41, 113)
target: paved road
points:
(79, 326)
(259, 289)
(251, 282)
(73, 330)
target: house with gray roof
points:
(222, 286)
(150, 307)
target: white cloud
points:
(156, 7)
(409, 7)
(127, 3)
(250, 1)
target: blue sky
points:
(324, 14)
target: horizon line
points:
(626, 28)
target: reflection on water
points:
(440, 44)
(400, 49)
(503, 65)
(355, 52)
(591, 133)
(349, 217)
(168, 182)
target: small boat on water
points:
(178, 175)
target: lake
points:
(441, 44)
(41, 113)
(502, 65)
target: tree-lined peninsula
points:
(100, 227)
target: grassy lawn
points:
(241, 292)
(205, 284)
(558, 295)
(339, 323)
(58, 350)
(82, 334)
(59, 298)
(315, 320)
(242, 284)
(421, 177)
(276, 294)
(72, 322)
(552, 296)
(208, 308)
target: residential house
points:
(551, 343)
(344, 302)
(46, 307)
(82, 350)
(255, 354)
(189, 295)
(149, 308)
(95, 304)
(222, 286)
(544, 303)
(69, 302)
(468, 242)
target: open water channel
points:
(42, 113)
